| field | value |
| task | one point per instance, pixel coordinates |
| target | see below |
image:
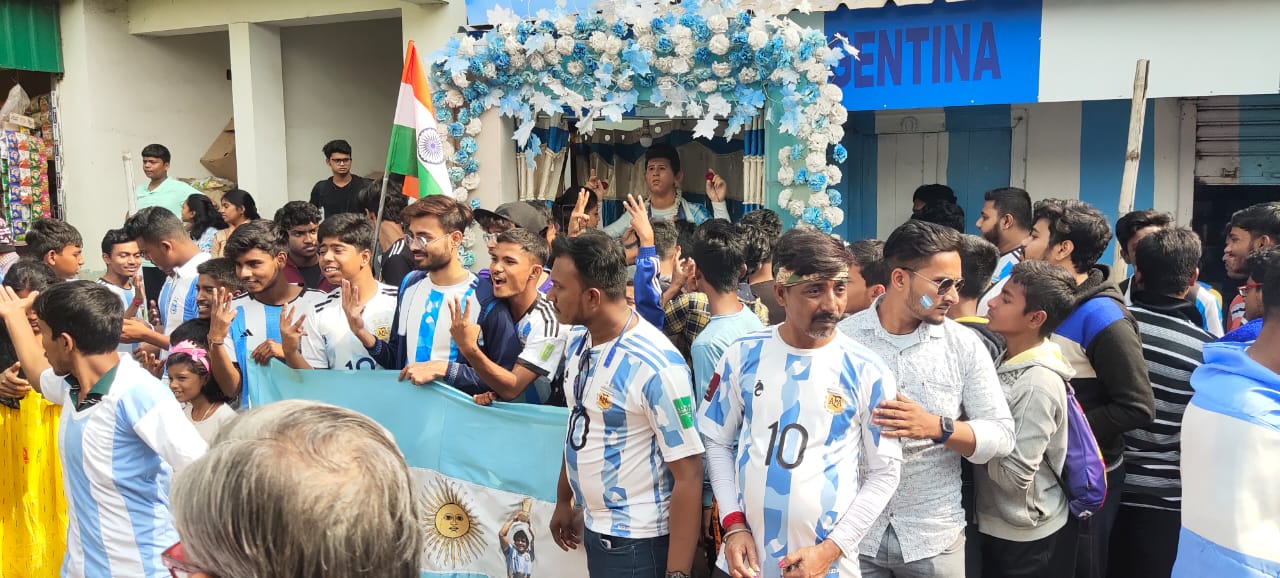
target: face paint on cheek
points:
(926, 301)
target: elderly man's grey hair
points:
(299, 488)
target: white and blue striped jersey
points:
(329, 343)
(255, 323)
(425, 319)
(801, 420)
(1004, 266)
(636, 415)
(126, 297)
(178, 296)
(118, 456)
(543, 342)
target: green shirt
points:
(171, 194)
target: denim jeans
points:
(613, 557)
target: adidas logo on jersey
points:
(246, 333)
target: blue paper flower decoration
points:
(839, 153)
(456, 129)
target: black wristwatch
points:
(948, 428)
(677, 575)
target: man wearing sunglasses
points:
(633, 459)
(1251, 294)
(1100, 339)
(943, 371)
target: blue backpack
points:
(1084, 473)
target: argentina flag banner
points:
(1230, 464)
(488, 474)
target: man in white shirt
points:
(633, 460)
(121, 436)
(788, 430)
(943, 373)
(245, 329)
(323, 339)
(419, 343)
(163, 240)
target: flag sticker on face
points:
(684, 408)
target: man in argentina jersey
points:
(163, 240)
(419, 343)
(633, 460)
(811, 473)
(122, 257)
(1006, 222)
(345, 256)
(247, 328)
(516, 261)
(121, 436)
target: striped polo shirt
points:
(1172, 347)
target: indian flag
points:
(488, 475)
(417, 147)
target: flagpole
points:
(377, 224)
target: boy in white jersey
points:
(811, 473)
(420, 344)
(123, 259)
(248, 327)
(163, 241)
(516, 261)
(633, 460)
(324, 340)
(121, 435)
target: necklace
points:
(208, 412)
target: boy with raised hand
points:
(121, 435)
(123, 259)
(57, 244)
(246, 328)
(323, 340)
(1026, 527)
(517, 260)
(215, 274)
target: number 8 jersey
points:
(801, 420)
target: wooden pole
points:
(1133, 154)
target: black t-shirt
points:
(335, 200)
(311, 276)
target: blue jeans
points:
(613, 557)
(1095, 533)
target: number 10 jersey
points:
(329, 342)
(801, 420)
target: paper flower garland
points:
(711, 60)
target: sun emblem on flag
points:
(455, 537)
(430, 146)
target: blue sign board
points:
(939, 54)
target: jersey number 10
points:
(778, 442)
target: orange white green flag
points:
(417, 147)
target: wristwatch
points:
(677, 575)
(948, 428)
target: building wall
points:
(340, 81)
(1068, 150)
(122, 92)
(1089, 48)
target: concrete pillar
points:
(257, 98)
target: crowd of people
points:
(743, 401)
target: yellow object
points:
(33, 510)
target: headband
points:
(197, 354)
(786, 277)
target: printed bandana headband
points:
(786, 277)
(190, 348)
